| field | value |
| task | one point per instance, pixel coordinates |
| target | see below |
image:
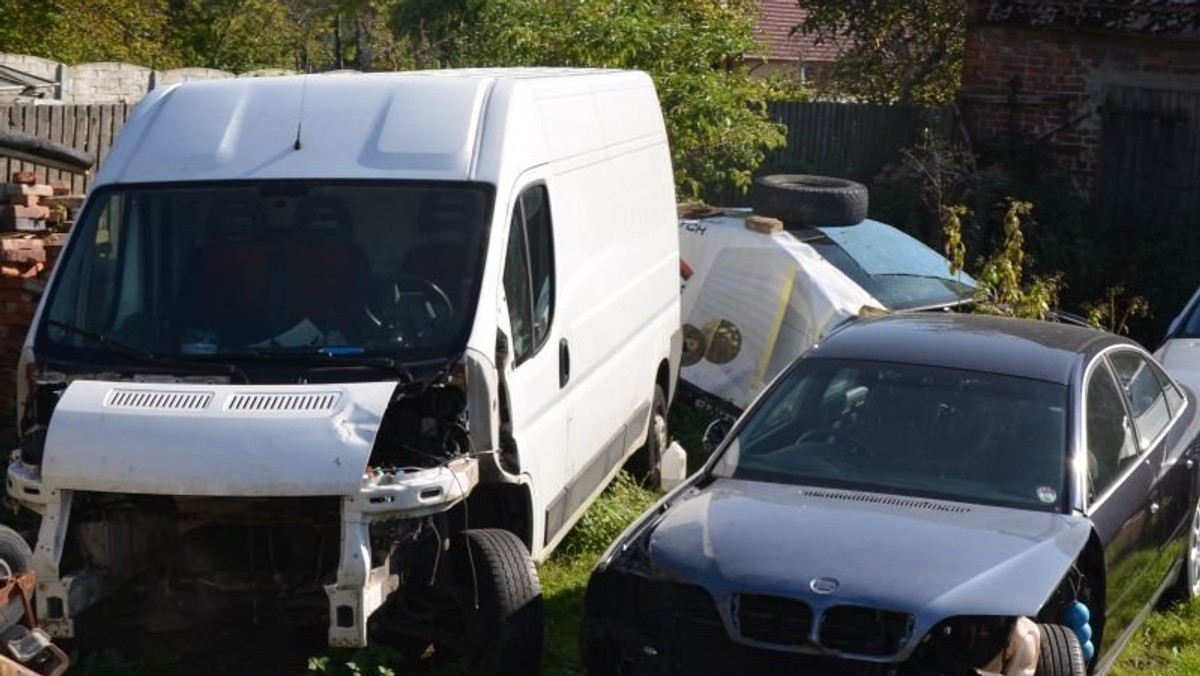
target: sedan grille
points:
(773, 619)
(865, 631)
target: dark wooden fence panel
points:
(1149, 157)
(852, 140)
(90, 128)
(847, 140)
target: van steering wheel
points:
(412, 311)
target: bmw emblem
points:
(823, 585)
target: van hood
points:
(932, 558)
(215, 440)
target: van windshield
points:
(390, 269)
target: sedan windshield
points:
(910, 430)
(189, 270)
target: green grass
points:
(1168, 644)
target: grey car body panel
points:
(933, 558)
(974, 342)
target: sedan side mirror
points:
(714, 434)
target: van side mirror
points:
(714, 434)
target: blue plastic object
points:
(1084, 633)
(1089, 651)
(1076, 615)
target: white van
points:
(357, 337)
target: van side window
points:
(529, 273)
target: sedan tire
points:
(1060, 654)
(1188, 586)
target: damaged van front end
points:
(266, 492)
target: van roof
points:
(416, 125)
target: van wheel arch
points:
(506, 506)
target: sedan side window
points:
(1110, 443)
(1147, 401)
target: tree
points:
(715, 111)
(895, 51)
(236, 35)
(76, 31)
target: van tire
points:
(646, 463)
(17, 554)
(803, 199)
(509, 617)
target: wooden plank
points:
(106, 132)
(56, 135)
(79, 140)
(5, 111)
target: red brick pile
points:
(33, 221)
(29, 206)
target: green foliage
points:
(373, 660)
(1002, 288)
(715, 111)
(894, 51)
(622, 502)
(236, 35)
(1116, 309)
(77, 31)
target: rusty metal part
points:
(34, 654)
(27, 650)
(20, 584)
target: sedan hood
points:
(932, 558)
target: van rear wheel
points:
(646, 463)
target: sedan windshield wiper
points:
(144, 355)
(322, 357)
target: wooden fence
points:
(838, 139)
(90, 128)
(852, 140)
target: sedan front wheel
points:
(1060, 654)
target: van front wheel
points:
(507, 602)
(646, 463)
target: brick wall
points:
(1045, 85)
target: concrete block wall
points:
(113, 82)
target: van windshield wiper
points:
(321, 357)
(141, 354)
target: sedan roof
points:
(1018, 347)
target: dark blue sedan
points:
(919, 494)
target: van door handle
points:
(564, 363)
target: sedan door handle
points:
(1154, 508)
